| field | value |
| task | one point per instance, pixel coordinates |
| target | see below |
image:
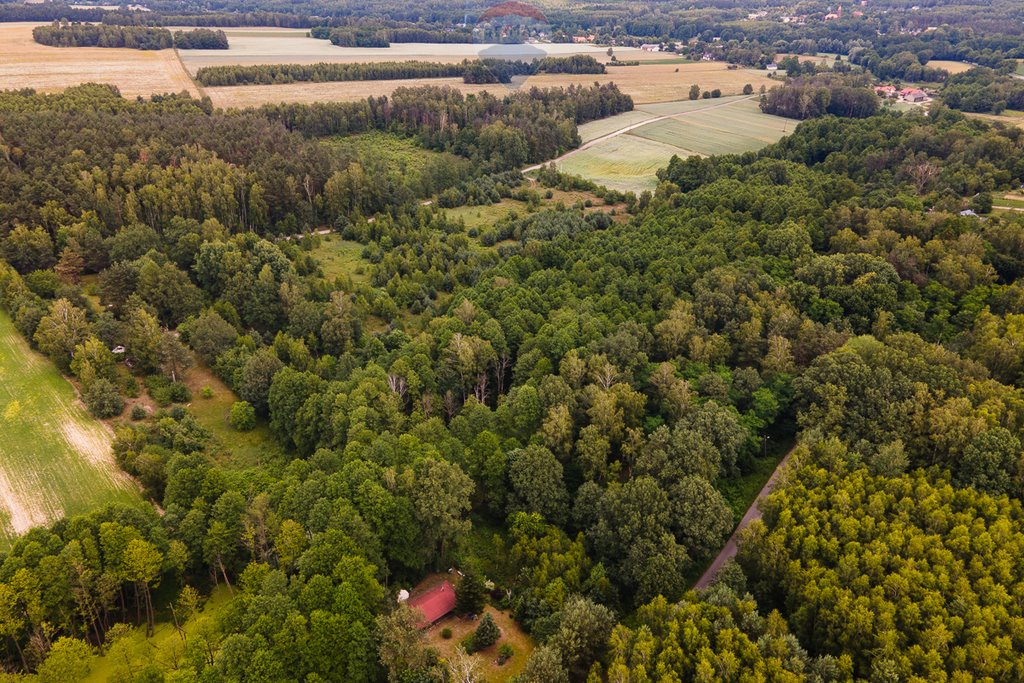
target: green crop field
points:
(683, 106)
(626, 162)
(630, 161)
(601, 127)
(723, 131)
(55, 459)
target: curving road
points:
(631, 127)
(753, 512)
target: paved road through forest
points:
(753, 512)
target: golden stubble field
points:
(646, 83)
(344, 91)
(26, 64)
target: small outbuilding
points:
(435, 603)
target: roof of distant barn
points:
(512, 8)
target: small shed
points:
(435, 603)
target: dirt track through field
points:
(632, 127)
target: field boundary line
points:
(632, 127)
(195, 84)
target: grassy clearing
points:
(479, 217)
(164, 647)
(342, 258)
(400, 154)
(490, 671)
(55, 459)
(825, 59)
(1014, 201)
(485, 216)
(949, 65)
(626, 162)
(234, 448)
(27, 64)
(1009, 117)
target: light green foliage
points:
(242, 416)
(892, 546)
(66, 662)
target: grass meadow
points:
(55, 459)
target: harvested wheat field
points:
(55, 459)
(345, 91)
(949, 65)
(254, 45)
(26, 64)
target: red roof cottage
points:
(435, 603)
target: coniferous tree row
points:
(471, 71)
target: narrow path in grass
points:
(632, 127)
(753, 512)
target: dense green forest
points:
(560, 397)
(811, 97)
(588, 392)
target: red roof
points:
(435, 603)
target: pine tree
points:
(487, 633)
(469, 598)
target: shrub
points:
(138, 412)
(243, 416)
(103, 399)
(180, 393)
(505, 653)
(446, 633)
(487, 633)
(207, 392)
